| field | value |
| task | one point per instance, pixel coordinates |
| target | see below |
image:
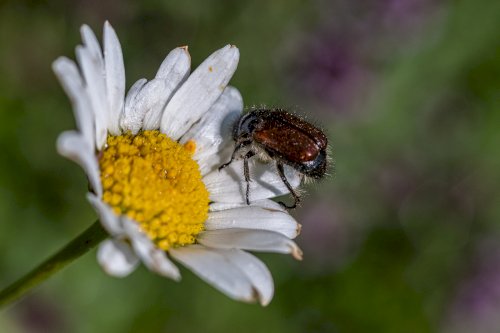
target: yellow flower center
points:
(155, 181)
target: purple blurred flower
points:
(476, 306)
(331, 237)
(330, 71)
(38, 314)
(406, 14)
(335, 63)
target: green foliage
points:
(416, 185)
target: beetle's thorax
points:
(247, 124)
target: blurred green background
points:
(402, 237)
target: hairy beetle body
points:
(283, 137)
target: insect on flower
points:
(151, 156)
(275, 134)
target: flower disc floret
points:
(154, 180)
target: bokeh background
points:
(403, 235)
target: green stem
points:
(76, 248)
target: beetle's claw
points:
(285, 206)
(223, 166)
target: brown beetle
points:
(283, 137)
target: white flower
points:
(152, 158)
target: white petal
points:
(116, 258)
(265, 203)
(256, 271)
(246, 239)
(69, 76)
(229, 185)
(214, 268)
(93, 72)
(115, 77)
(132, 94)
(214, 130)
(173, 71)
(154, 258)
(149, 97)
(91, 43)
(110, 221)
(199, 92)
(72, 145)
(177, 63)
(252, 217)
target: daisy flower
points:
(152, 158)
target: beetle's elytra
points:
(278, 135)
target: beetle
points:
(276, 134)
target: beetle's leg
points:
(296, 197)
(239, 145)
(246, 172)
